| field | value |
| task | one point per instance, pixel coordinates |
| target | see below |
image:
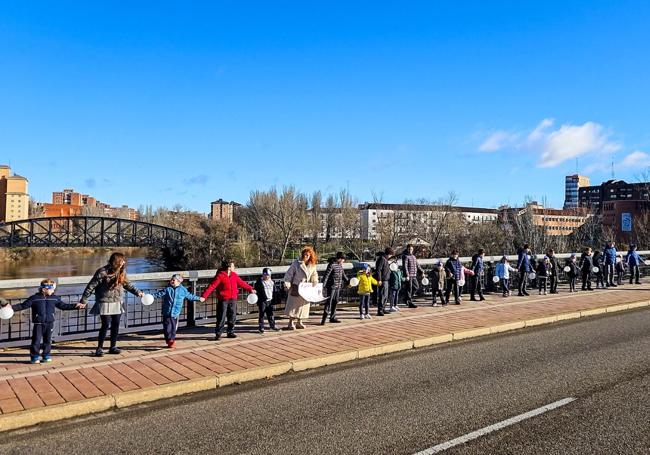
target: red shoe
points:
(172, 344)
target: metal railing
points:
(80, 324)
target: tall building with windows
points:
(223, 210)
(572, 185)
(14, 199)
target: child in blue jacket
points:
(43, 305)
(174, 297)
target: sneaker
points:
(412, 305)
(362, 317)
(47, 359)
(392, 310)
(435, 304)
(261, 330)
(231, 335)
(217, 336)
(172, 344)
(99, 352)
(114, 350)
(275, 329)
(381, 314)
(396, 308)
(335, 321)
(368, 316)
(34, 360)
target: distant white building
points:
(406, 215)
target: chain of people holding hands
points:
(387, 284)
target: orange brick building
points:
(70, 203)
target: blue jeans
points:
(394, 297)
(364, 303)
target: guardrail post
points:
(191, 306)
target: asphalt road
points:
(404, 403)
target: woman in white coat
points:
(301, 270)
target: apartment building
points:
(14, 197)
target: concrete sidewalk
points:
(76, 383)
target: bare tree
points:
(315, 218)
(349, 224)
(275, 220)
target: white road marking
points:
(497, 426)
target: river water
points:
(68, 264)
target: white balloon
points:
(532, 275)
(393, 266)
(495, 279)
(354, 281)
(596, 269)
(425, 281)
(147, 299)
(461, 283)
(6, 312)
(567, 269)
(252, 299)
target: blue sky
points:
(164, 103)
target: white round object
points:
(567, 269)
(354, 281)
(394, 267)
(252, 299)
(532, 275)
(596, 269)
(461, 283)
(147, 299)
(495, 279)
(425, 281)
(6, 312)
(311, 293)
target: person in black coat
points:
(598, 262)
(573, 272)
(333, 280)
(382, 275)
(43, 305)
(267, 295)
(554, 271)
(586, 266)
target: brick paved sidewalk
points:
(75, 377)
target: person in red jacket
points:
(227, 283)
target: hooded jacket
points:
(366, 282)
(174, 298)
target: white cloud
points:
(498, 141)
(635, 159)
(555, 146)
(572, 141)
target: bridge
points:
(92, 231)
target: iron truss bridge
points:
(90, 231)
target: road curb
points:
(27, 418)
(430, 341)
(330, 359)
(31, 417)
(473, 333)
(237, 377)
(133, 397)
(385, 349)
